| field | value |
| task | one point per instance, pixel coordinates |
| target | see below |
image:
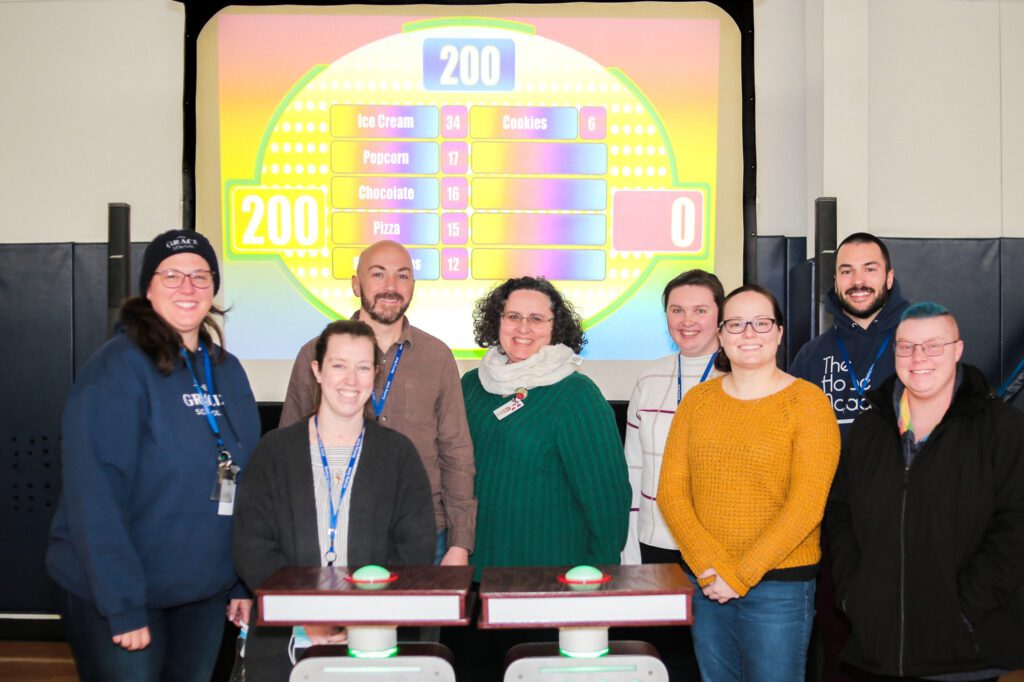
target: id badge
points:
(224, 487)
(508, 408)
(511, 406)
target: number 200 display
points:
(467, 64)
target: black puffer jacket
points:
(928, 561)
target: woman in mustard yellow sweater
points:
(747, 469)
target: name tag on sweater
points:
(508, 408)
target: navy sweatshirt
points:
(821, 363)
(135, 527)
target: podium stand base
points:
(625, 661)
(414, 661)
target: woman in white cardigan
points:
(691, 302)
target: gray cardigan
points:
(391, 520)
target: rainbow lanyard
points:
(904, 421)
(904, 418)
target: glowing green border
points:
(484, 22)
(231, 184)
(657, 259)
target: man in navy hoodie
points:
(846, 361)
(856, 353)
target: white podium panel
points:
(418, 663)
(371, 610)
(583, 610)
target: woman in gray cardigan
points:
(335, 485)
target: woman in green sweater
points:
(551, 482)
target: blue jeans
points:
(442, 546)
(761, 637)
(185, 641)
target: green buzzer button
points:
(583, 574)
(584, 578)
(372, 577)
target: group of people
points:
(174, 508)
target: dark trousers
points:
(860, 676)
(185, 641)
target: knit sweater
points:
(551, 481)
(744, 482)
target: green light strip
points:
(583, 654)
(375, 669)
(383, 653)
(588, 669)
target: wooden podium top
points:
(422, 595)
(533, 597)
(411, 580)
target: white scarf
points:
(547, 366)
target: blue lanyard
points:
(679, 374)
(206, 397)
(849, 363)
(331, 555)
(378, 407)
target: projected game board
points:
(490, 150)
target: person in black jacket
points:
(926, 517)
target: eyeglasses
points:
(532, 321)
(761, 325)
(173, 279)
(905, 349)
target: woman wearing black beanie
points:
(156, 433)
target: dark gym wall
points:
(36, 344)
(53, 318)
(977, 279)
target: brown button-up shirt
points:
(425, 405)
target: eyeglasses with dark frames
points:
(761, 325)
(173, 279)
(532, 321)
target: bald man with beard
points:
(417, 393)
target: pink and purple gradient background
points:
(674, 63)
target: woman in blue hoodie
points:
(157, 430)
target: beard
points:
(877, 304)
(390, 316)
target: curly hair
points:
(567, 327)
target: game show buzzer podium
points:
(582, 603)
(371, 603)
